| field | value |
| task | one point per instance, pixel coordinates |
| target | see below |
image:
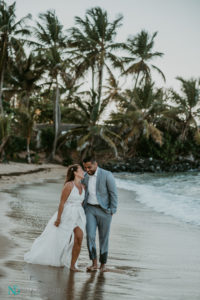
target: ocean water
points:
(176, 195)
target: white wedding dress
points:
(54, 246)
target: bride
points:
(60, 242)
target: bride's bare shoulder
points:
(68, 185)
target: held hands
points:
(57, 222)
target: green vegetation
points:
(51, 76)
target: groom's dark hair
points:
(91, 159)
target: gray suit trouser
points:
(96, 217)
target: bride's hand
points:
(57, 222)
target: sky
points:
(177, 23)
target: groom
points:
(100, 204)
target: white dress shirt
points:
(92, 198)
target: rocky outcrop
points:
(152, 165)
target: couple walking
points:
(87, 201)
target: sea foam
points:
(165, 197)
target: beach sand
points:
(20, 173)
(151, 256)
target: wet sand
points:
(151, 256)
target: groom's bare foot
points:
(103, 268)
(94, 266)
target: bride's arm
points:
(84, 187)
(64, 196)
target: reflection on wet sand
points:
(93, 287)
(61, 283)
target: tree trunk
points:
(136, 80)
(101, 64)
(91, 147)
(3, 143)
(184, 132)
(93, 79)
(1, 92)
(134, 90)
(28, 149)
(38, 139)
(4, 60)
(2, 146)
(56, 120)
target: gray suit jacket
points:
(106, 190)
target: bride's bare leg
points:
(78, 237)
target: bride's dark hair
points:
(70, 172)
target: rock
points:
(189, 157)
(152, 168)
(137, 164)
(141, 161)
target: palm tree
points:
(50, 35)
(187, 106)
(10, 32)
(140, 48)
(5, 131)
(86, 114)
(138, 117)
(26, 73)
(92, 43)
(25, 121)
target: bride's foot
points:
(75, 269)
